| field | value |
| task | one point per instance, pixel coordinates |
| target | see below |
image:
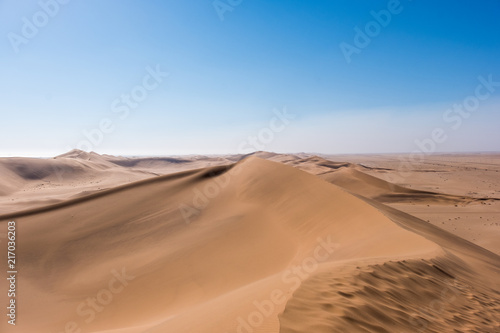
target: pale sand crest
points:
(264, 247)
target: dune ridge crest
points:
(258, 231)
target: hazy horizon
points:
(263, 151)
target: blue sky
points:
(233, 64)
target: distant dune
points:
(257, 243)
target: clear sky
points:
(344, 76)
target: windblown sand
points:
(261, 243)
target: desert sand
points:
(259, 243)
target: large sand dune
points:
(252, 246)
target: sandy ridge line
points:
(70, 202)
(435, 234)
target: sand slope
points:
(453, 192)
(33, 182)
(257, 246)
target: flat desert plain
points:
(258, 243)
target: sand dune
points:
(456, 195)
(33, 182)
(255, 246)
(353, 178)
(374, 298)
(37, 182)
